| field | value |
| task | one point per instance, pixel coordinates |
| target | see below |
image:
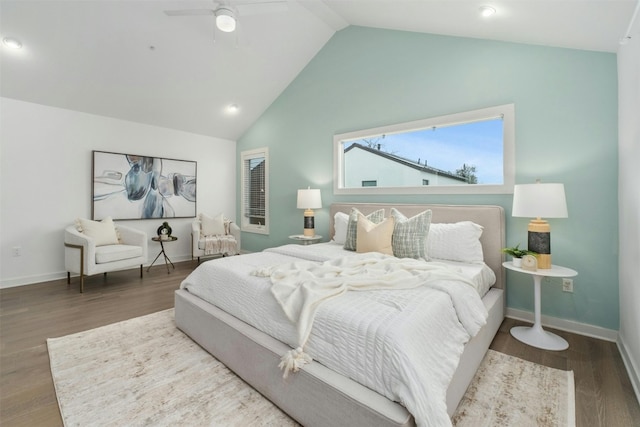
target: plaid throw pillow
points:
(410, 234)
(352, 227)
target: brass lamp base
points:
(540, 242)
(309, 226)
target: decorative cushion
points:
(458, 241)
(410, 234)
(111, 253)
(352, 228)
(372, 237)
(340, 223)
(102, 232)
(212, 226)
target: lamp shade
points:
(540, 200)
(309, 199)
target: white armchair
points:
(89, 254)
(214, 236)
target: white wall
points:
(46, 181)
(629, 206)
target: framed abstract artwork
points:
(130, 186)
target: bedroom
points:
(568, 108)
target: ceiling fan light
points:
(487, 11)
(225, 20)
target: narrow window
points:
(255, 191)
(425, 182)
(370, 183)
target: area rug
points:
(507, 391)
(145, 371)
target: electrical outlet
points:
(16, 251)
(567, 285)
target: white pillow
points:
(458, 241)
(374, 237)
(340, 222)
(212, 226)
(103, 232)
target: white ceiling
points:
(129, 60)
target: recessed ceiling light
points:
(487, 11)
(233, 108)
(12, 43)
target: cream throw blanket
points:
(301, 287)
(222, 244)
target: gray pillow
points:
(410, 234)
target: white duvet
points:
(404, 344)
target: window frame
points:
(507, 112)
(245, 225)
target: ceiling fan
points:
(227, 12)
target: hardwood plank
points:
(31, 314)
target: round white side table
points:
(534, 335)
(306, 240)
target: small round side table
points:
(536, 336)
(306, 240)
(167, 261)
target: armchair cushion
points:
(212, 226)
(103, 232)
(111, 253)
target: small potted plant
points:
(517, 254)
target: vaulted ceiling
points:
(128, 59)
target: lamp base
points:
(309, 226)
(539, 241)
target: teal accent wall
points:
(566, 131)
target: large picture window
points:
(464, 153)
(255, 191)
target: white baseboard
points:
(632, 369)
(31, 280)
(40, 278)
(566, 325)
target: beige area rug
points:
(508, 391)
(144, 371)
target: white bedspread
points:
(405, 344)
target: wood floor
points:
(31, 314)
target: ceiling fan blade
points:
(261, 7)
(189, 12)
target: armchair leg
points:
(141, 271)
(69, 245)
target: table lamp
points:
(537, 201)
(308, 200)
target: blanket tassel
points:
(293, 360)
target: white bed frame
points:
(317, 396)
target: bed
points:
(317, 395)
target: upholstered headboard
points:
(491, 218)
